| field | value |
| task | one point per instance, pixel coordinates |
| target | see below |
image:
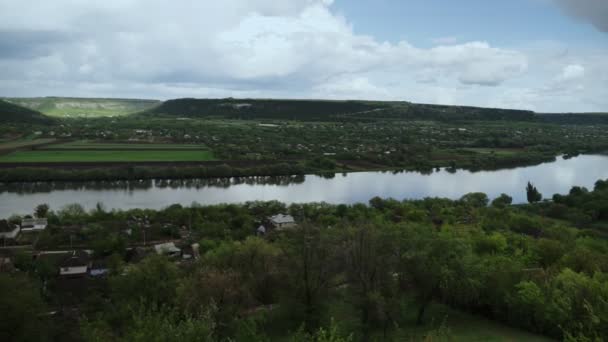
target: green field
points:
(105, 156)
(12, 144)
(84, 107)
(87, 145)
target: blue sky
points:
(542, 55)
(508, 23)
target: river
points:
(549, 178)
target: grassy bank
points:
(86, 156)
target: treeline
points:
(374, 270)
(41, 174)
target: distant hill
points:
(84, 107)
(329, 110)
(259, 108)
(10, 112)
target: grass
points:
(104, 156)
(11, 144)
(86, 145)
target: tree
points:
(368, 253)
(22, 310)
(502, 201)
(41, 210)
(308, 265)
(475, 199)
(533, 194)
(152, 281)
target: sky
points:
(541, 55)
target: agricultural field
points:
(88, 156)
(83, 107)
(21, 143)
(91, 145)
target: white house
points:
(76, 264)
(8, 231)
(168, 248)
(280, 221)
(32, 224)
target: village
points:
(72, 260)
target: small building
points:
(33, 224)
(75, 265)
(168, 249)
(8, 231)
(261, 230)
(280, 222)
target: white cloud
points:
(572, 72)
(256, 48)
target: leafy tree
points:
(41, 210)
(475, 199)
(533, 194)
(308, 264)
(152, 281)
(502, 201)
(23, 311)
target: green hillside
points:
(84, 107)
(323, 110)
(10, 112)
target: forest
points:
(427, 269)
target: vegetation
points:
(104, 156)
(16, 114)
(411, 270)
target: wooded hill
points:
(324, 110)
(11, 113)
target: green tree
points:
(533, 194)
(475, 199)
(23, 311)
(42, 210)
(502, 201)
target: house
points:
(32, 224)
(280, 221)
(168, 249)
(75, 265)
(8, 231)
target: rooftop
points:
(280, 219)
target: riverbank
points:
(109, 171)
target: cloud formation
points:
(256, 48)
(593, 11)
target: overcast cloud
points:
(267, 48)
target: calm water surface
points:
(549, 178)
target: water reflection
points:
(549, 178)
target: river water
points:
(549, 178)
